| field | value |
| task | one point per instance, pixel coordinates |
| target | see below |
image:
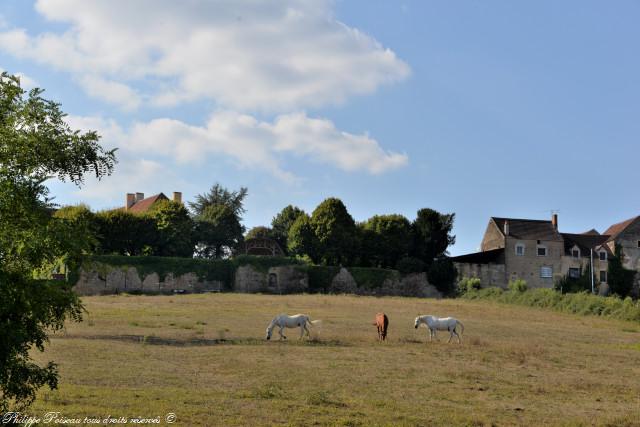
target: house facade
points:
(536, 251)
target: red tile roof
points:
(618, 228)
(145, 204)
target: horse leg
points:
(281, 334)
(450, 336)
(457, 336)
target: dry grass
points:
(204, 358)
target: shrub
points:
(518, 285)
(408, 265)
(469, 284)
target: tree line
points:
(212, 228)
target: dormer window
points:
(603, 256)
(520, 249)
(575, 252)
(542, 250)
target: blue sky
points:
(493, 108)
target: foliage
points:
(259, 232)
(469, 284)
(517, 285)
(302, 240)
(620, 279)
(583, 303)
(35, 144)
(174, 229)
(335, 231)
(220, 196)
(442, 274)
(408, 265)
(431, 235)
(320, 277)
(218, 232)
(124, 233)
(568, 284)
(388, 240)
(371, 278)
(281, 224)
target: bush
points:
(583, 303)
(408, 265)
(518, 285)
(469, 284)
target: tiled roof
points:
(494, 256)
(529, 229)
(585, 242)
(618, 228)
(592, 232)
(145, 204)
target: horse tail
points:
(315, 322)
(461, 327)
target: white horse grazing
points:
(440, 324)
(285, 321)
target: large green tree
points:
(174, 228)
(619, 279)
(35, 144)
(125, 233)
(220, 196)
(335, 231)
(302, 240)
(281, 224)
(389, 239)
(431, 235)
(218, 232)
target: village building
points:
(537, 252)
(137, 203)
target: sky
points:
(492, 108)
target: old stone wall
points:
(489, 274)
(103, 279)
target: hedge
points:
(583, 303)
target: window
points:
(546, 272)
(603, 276)
(575, 253)
(520, 249)
(574, 273)
(639, 243)
(603, 256)
(542, 251)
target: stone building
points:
(534, 250)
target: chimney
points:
(506, 227)
(177, 196)
(131, 199)
(554, 221)
(139, 196)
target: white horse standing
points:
(285, 321)
(440, 324)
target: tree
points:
(336, 232)
(218, 195)
(302, 239)
(35, 144)
(281, 224)
(391, 239)
(218, 232)
(442, 274)
(83, 223)
(259, 232)
(125, 233)
(174, 229)
(620, 279)
(431, 235)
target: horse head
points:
(417, 322)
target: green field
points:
(204, 358)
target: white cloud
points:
(244, 54)
(151, 151)
(257, 144)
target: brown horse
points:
(382, 322)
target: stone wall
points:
(489, 274)
(104, 279)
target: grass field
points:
(204, 358)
